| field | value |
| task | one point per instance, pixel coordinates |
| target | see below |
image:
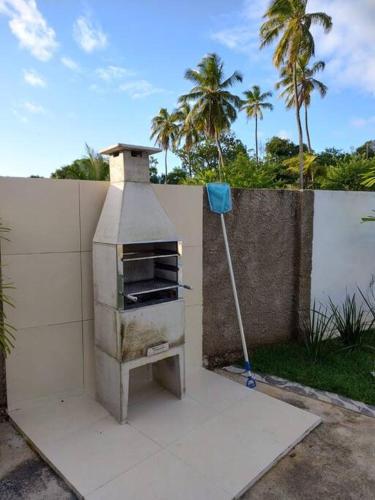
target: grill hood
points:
(132, 212)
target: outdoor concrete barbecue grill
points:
(138, 294)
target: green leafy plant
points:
(315, 330)
(369, 218)
(369, 297)
(351, 322)
(7, 331)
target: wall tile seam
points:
(46, 253)
(45, 325)
(81, 285)
(24, 403)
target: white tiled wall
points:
(183, 204)
(49, 260)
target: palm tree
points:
(214, 107)
(306, 84)
(164, 130)
(187, 130)
(253, 105)
(288, 22)
(98, 168)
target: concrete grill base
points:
(213, 444)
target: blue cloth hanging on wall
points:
(219, 197)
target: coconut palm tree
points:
(214, 107)
(164, 129)
(253, 105)
(98, 168)
(306, 84)
(187, 130)
(288, 22)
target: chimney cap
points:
(118, 148)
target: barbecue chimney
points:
(138, 294)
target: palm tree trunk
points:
(189, 162)
(299, 126)
(220, 155)
(166, 165)
(307, 130)
(256, 138)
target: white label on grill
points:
(157, 349)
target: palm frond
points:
(322, 19)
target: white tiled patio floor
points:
(213, 444)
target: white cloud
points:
(240, 38)
(284, 134)
(33, 78)
(363, 122)
(70, 63)
(110, 73)
(29, 26)
(349, 49)
(35, 109)
(139, 88)
(243, 33)
(88, 36)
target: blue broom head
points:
(219, 197)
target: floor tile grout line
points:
(192, 429)
(126, 470)
(205, 476)
(69, 433)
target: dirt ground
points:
(335, 462)
(23, 475)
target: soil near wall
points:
(270, 237)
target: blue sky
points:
(96, 72)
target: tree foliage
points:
(165, 131)
(278, 149)
(203, 155)
(254, 104)
(348, 175)
(214, 106)
(91, 167)
(288, 23)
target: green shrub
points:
(351, 321)
(348, 175)
(315, 331)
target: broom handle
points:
(238, 310)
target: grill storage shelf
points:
(149, 273)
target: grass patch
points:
(343, 372)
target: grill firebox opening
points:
(149, 273)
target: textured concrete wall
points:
(271, 250)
